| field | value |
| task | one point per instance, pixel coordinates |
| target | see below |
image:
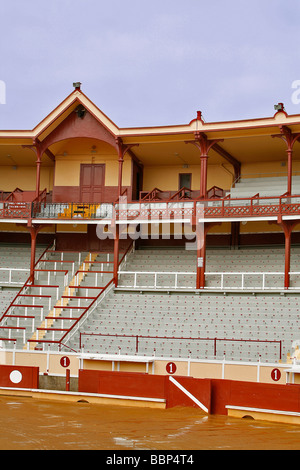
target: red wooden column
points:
(116, 253)
(38, 171)
(122, 149)
(36, 147)
(201, 233)
(290, 139)
(34, 230)
(121, 153)
(204, 145)
(201, 259)
(287, 226)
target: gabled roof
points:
(63, 110)
(246, 127)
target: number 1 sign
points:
(171, 368)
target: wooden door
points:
(91, 182)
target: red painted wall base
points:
(212, 394)
(19, 376)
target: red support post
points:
(36, 147)
(34, 230)
(201, 258)
(203, 145)
(116, 254)
(121, 161)
(290, 139)
(33, 235)
(38, 171)
(203, 173)
(287, 226)
(201, 233)
(67, 380)
(122, 149)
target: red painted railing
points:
(171, 338)
(25, 284)
(221, 207)
(67, 331)
(212, 208)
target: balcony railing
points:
(71, 210)
(211, 208)
(225, 207)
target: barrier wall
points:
(211, 395)
(19, 376)
(182, 391)
(256, 395)
(122, 383)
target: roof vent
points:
(279, 107)
(76, 85)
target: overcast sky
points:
(149, 62)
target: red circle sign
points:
(275, 375)
(171, 368)
(65, 361)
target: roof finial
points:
(76, 85)
(279, 107)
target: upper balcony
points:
(85, 162)
(157, 206)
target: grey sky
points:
(149, 62)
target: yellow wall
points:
(70, 166)
(24, 177)
(10, 227)
(198, 369)
(263, 169)
(166, 177)
(71, 228)
(70, 154)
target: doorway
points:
(185, 180)
(92, 182)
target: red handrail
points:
(182, 338)
(25, 284)
(102, 289)
(77, 320)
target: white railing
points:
(265, 280)
(10, 272)
(262, 278)
(74, 330)
(155, 275)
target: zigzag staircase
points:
(62, 303)
(36, 310)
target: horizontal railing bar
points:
(86, 287)
(28, 305)
(54, 329)
(57, 261)
(15, 269)
(92, 272)
(20, 316)
(40, 285)
(13, 327)
(52, 270)
(68, 306)
(76, 297)
(35, 295)
(59, 318)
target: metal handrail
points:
(243, 274)
(215, 340)
(87, 310)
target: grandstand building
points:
(168, 251)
